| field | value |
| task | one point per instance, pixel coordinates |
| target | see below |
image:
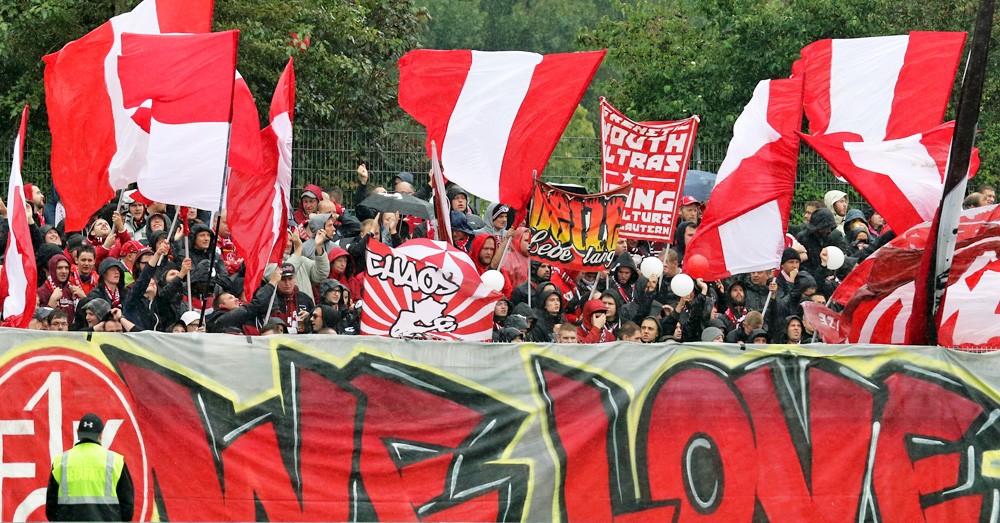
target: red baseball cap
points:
(130, 247)
(688, 200)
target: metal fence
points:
(330, 157)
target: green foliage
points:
(576, 158)
(346, 78)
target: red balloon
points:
(696, 266)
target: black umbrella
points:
(404, 204)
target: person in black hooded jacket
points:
(681, 237)
(110, 283)
(550, 313)
(540, 273)
(819, 234)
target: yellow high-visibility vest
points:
(88, 474)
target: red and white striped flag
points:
(19, 276)
(879, 88)
(99, 146)
(901, 178)
(746, 218)
(190, 80)
(257, 200)
(495, 116)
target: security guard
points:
(89, 482)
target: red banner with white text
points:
(653, 157)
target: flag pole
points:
(121, 198)
(225, 180)
(441, 205)
(187, 255)
(936, 263)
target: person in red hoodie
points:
(342, 269)
(57, 292)
(484, 247)
(591, 329)
(308, 203)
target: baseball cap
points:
(190, 316)
(130, 247)
(310, 194)
(287, 270)
(90, 426)
(688, 200)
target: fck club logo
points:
(38, 421)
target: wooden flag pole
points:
(442, 206)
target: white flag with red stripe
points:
(902, 178)
(744, 225)
(425, 289)
(879, 88)
(19, 276)
(257, 211)
(190, 80)
(99, 145)
(495, 116)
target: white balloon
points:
(682, 284)
(493, 279)
(834, 258)
(651, 266)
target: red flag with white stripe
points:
(425, 289)
(879, 88)
(99, 146)
(19, 276)
(190, 80)
(257, 214)
(744, 225)
(495, 116)
(902, 178)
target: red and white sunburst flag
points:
(879, 293)
(495, 116)
(746, 218)
(879, 88)
(425, 289)
(99, 145)
(19, 275)
(257, 200)
(190, 80)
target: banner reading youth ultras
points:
(578, 232)
(653, 156)
(425, 289)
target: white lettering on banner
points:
(15, 427)
(653, 156)
(403, 272)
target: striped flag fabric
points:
(190, 80)
(744, 225)
(879, 88)
(19, 275)
(99, 145)
(494, 116)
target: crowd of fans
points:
(140, 267)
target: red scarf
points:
(113, 293)
(75, 279)
(732, 316)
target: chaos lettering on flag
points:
(578, 232)
(427, 290)
(653, 157)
